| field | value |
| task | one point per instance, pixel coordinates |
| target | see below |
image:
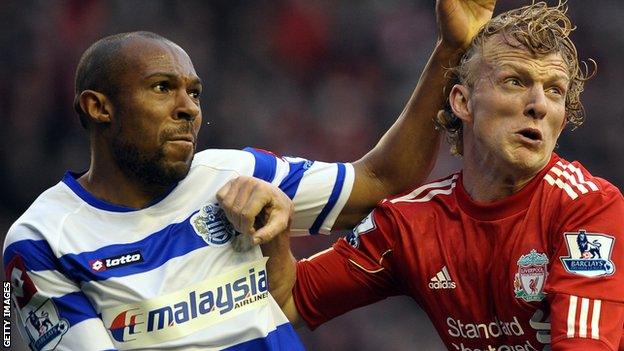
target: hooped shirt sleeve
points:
(586, 280)
(52, 312)
(319, 190)
(356, 271)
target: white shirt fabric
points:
(90, 275)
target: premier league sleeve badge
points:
(589, 254)
(44, 326)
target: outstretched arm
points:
(402, 158)
(405, 155)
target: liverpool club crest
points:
(531, 276)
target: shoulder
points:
(576, 200)
(415, 208)
(427, 196)
(249, 161)
(40, 223)
(570, 183)
(401, 222)
(226, 159)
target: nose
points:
(187, 108)
(536, 106)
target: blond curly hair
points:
(538, 28)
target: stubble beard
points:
(148, 168)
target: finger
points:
(278, 221)
(269, 232)
(222, 193)
(249, 202)
(226, 197)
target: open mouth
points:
(531, 134)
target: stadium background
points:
(321, 79)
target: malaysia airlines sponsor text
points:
(224, 299)
(187, 311)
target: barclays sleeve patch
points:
(589, 254)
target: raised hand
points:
(460, 20)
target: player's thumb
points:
(276, 223)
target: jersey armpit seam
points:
(383, 255)
(378, 262)
(364, 269)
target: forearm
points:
(282, 273)
(406, 154)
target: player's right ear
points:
(458, 99)
(96, 106)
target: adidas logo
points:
(442, 280)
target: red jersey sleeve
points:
(356, 271)
(586, 277)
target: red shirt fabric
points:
(542, 267)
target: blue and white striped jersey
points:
(90, 275)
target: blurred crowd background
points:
(320, 79)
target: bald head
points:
(103, 63)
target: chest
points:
(483, 283)
(118, 261)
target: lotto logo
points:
(97, 265)
(100, 265)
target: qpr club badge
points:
(211, 224)
(531, 276)
(589, 254)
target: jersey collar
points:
(503, 208)
(71, 180)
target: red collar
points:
(503, 208)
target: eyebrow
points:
(556, 76)
(171, 76)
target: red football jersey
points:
(535, 269)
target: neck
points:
(484, 186)
(106, 181)
(488, 181)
